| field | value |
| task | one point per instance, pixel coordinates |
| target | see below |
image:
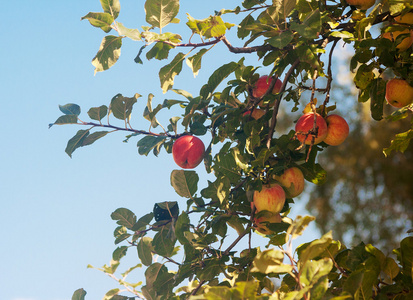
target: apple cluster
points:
(312, 128)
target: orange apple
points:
(292, 180)
(260, 222)
(405, 43)
(337, 130)
(256, 113)
(305, 125)
(361, 4)
(188, 151)
(405, 19)
(399, 92)
(270, 198)
(262, 85)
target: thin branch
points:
(277, 103)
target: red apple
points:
(399, 92)
(292, 180)
(361, 4)
(337, 130)
(263, 84)
(188, 151)
(261, 222)
(305, 125)
(256, 113)
(270, 198)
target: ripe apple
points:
(292, 180)
(305, 124)
(405, 19)
(361, 4)
(262, 85)
(261, 222)
(188, 151)
(270, 198)
(256, 113)
(405, 43)
(399, 92)
(337, 130)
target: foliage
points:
(297, 39)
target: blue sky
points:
(55, 211)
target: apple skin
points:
(262, 85)
(337, 130)
(405, 19)
(256, 113)
(305, 124)
(292, 180)
(405, 43)
(270, 198)
(260, 222)
(361, 4)
(188, 151)
(399, 92)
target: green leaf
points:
(299, 225)
(217, 77)
(164, 241)
(159, 51)
(315, 270)
(91, 138)
(282, 40)
(121, 106)
(119, 253)
(311, 26)
(66, 119)
(217, 190)
(168, 72)
(100, 20)
(145, 250)
(150, 114)
(79, 294)
(147, 143)
(211, 27)
(98, 113)
(133, 34)
(399, 143)
(314, 173)
(124, 217)
(108, 53)
(270, 261)
(70, 109)
(194, 62)
(160, 13)
(184, 182)
(315, 248)
(110, 294)
(111, 7)
(377, 98)
(76, 141)
(406, 251)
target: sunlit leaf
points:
(111, 7)
(133, 34)
(184, 182)
(100, 20)
(108, 53)
(168, 72)
(160, 13)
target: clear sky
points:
(55, 211)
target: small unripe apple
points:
(337, 130)
(399, 92)
(256, 113)
(263, 84)
(361, 4)
(270, 198)
(188, 151)
(261, 222)
(305, 124)
(292, 180)
(405, 19)
(405, 43)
